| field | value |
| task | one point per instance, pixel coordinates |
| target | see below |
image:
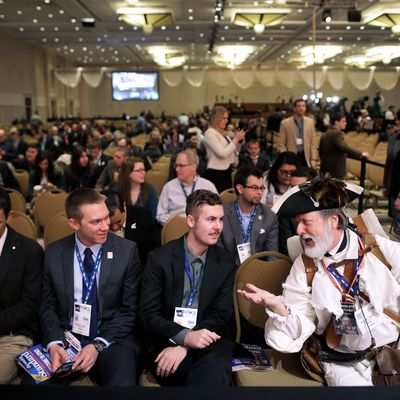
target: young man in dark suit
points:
(186, 301)
(21, 262)
(249, 226)
(96, 271)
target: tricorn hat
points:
(316, 195)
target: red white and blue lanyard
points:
(194, 290)
(184, 190)
(246, 235)
(89, 282)
(353, 288)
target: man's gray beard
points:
(321, 244)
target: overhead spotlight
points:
(88, 22)
(326, 15)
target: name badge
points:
(346, 324)
(299, 141)
(244, 251)
(81, 319)
(185, 317)
(366, 320)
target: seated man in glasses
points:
(175, 192)
(249, 226)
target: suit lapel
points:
(234, 223)
(11, 248)
(255, 230)
(107, 263)
(67, 258)
(178, 271)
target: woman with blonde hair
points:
(222, 150)
(134, 189)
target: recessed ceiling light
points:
(163, 28)
(44, 40)
(21, 29)
(135, 28)
(362, 27)
(190, 17)
(240, 37)
(382, 28)
(121, 28)
(80, 39)
(1, 16)
(47, 1)
(35, 21)
(167, 38)
(222, 38)
(19, 12)
(38, 8)
(327, 27)
(56, 40)
(180, 38)
(226, 27)
(201, 34)
(77, 28)
(190, 10)
(56, 28)
(177, 27)
(42, 29)
(348, 27)
(50, 15)
(253, 38)
(61, 11)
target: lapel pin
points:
(262, 230)
(260, 217)
(13, 247)
(133, 226)
(110, 255)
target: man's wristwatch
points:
(99, 345)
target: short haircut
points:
(79, 197)
(114, 201)
(200, 198)
(305, 172)
(190, 146)
(299, 101)
(96, 144)
(191, 156)
(337, 117)
(5, 202)
(243, 174)
(253, 141)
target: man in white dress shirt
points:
(175, 192)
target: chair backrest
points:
(48, 204)
(18, 202)
(56, 228)
(267, 275)
(174, 228)
(157, 179)
(110, 151)
(22, 176)
(228, 195)
(23, 224)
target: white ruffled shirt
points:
(310, 310)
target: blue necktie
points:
(88, 266)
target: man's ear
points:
(10, 216)
(239, 188)
(334, 221)
(190, 221)
(73, 224)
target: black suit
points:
(262, 161)
(162, 291)
(20, 283)
(100, 165)
(141, 229)
(9, 180)
(117, 304)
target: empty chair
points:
(228, 195)
(22, 176)
(174, 228)
(23, 224)
(157, 179)
(268, 275)
(48, 204)
(56, 228)
(18, 202)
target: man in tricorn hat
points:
(338, 289)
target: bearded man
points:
(351, 292)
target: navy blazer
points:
(21, 264)
(162, 291)
(117, 289)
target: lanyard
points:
(184, 190)
(194, 290)
(246, 235)
(352, 288)
(88, 282)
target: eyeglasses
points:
(181, 165)
(255, 187)
(286, 172)
(140, 170)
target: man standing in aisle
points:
(297, 134)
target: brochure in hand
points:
(250, 356)
(36, 360)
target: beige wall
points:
(27, 71)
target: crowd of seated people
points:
(108, 159)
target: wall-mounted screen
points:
(135, 86)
